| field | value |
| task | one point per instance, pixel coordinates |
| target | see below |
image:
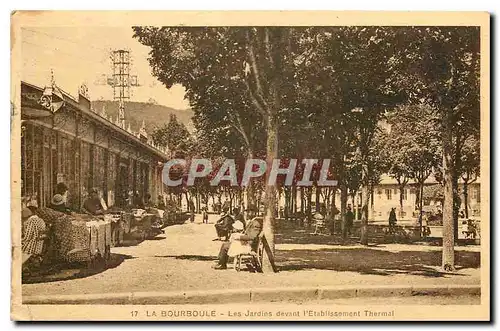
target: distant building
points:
(386, 195)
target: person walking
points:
(205, 215)
(392, 221)
(349, 220)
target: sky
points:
(82, 55)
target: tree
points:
(470, 169)
(413, 146)
(175, 136)
(445, 64)
(257, 57)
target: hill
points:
(154, 115)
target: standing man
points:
(392, 220)
(349, 220)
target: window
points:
(404, 193)
(388, 194)
(476, 192)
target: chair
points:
(251, 255)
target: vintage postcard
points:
(250, 166)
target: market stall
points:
(76, 238)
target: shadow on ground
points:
(362, 259)
(372, 261)
(53, 273)
(189, 257)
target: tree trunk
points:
(448, 260)
(270, 192)
(302, 200)
(288, 201)
(466, 198)
(456, 205)
(364, 206)
(317, 191)
(401, 188)
(309, 204)
(343, 209)
(420, 204)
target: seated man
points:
(224, 225)
(238, 216)
(92, 205)
(252, 231)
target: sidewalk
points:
(181, 261)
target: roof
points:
(386, 179)
(129, 135)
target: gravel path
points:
(182, 258)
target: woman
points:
(57, 203)
(34, 234)
(60, 199)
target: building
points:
(387, 193)
(64, 140)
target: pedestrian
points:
(349, 220)
(392, 220)
(251, 234)
(205, 215)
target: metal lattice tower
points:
(121, 80)
(121, 74)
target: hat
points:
(25, 213)
(57, 200)
(318, 216)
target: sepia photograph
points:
(232, 166)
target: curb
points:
(254, 295)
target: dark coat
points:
(392, 217)
(225, 222)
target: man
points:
(252, 231)
(349, 220)
(224, 225)
(161, 203)
(392, 220)
(138, 202)
(238, 216)
(205, 215)
(92, 205)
